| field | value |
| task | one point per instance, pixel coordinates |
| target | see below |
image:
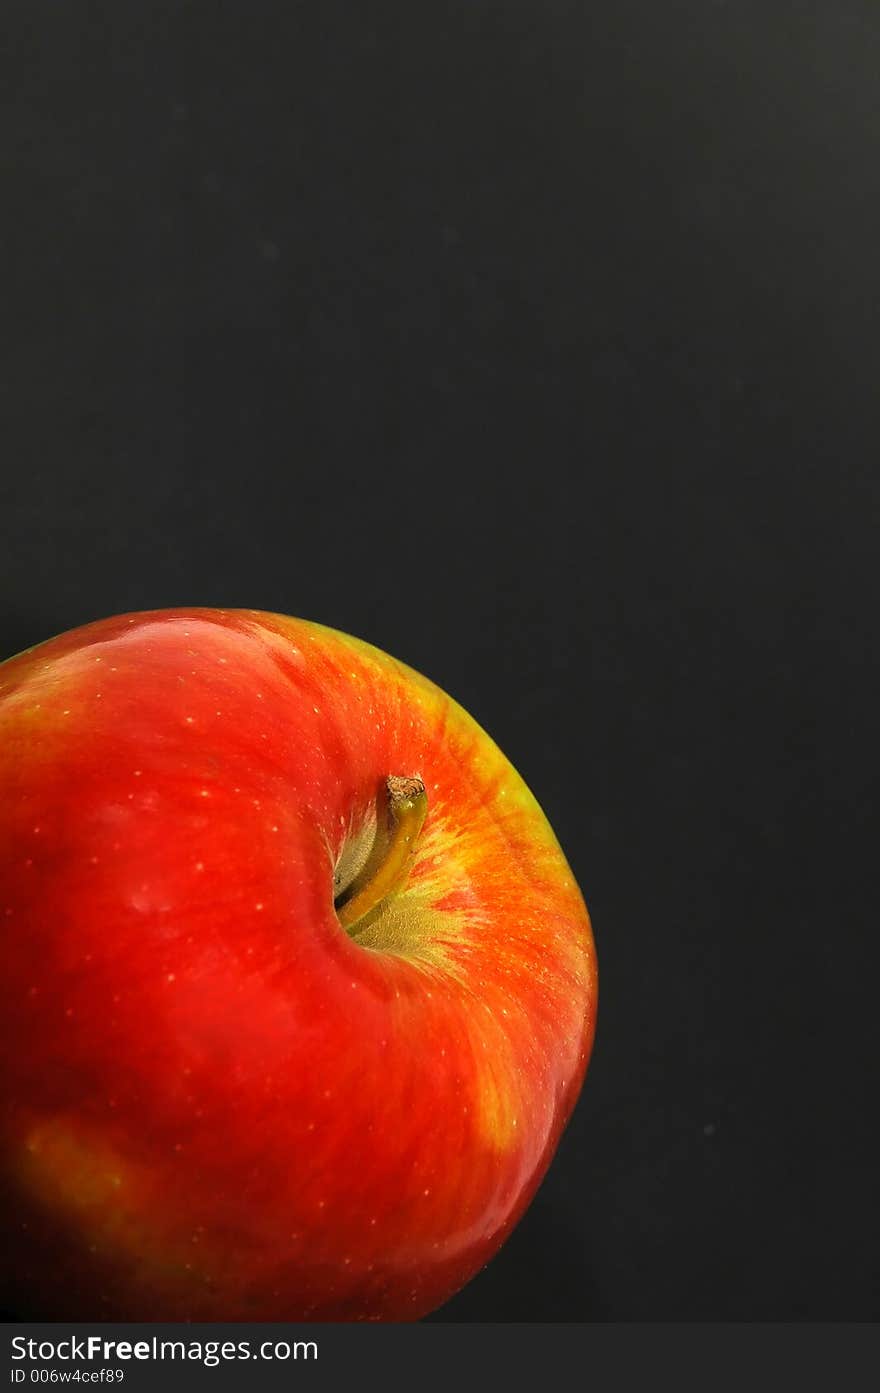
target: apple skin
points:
(217, 1104)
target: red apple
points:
(298, 988)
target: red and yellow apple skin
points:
(217, 1103)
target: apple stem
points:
(407, 809)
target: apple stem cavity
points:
(407, 809)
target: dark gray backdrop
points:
(574, 306)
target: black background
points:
(538, 344)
